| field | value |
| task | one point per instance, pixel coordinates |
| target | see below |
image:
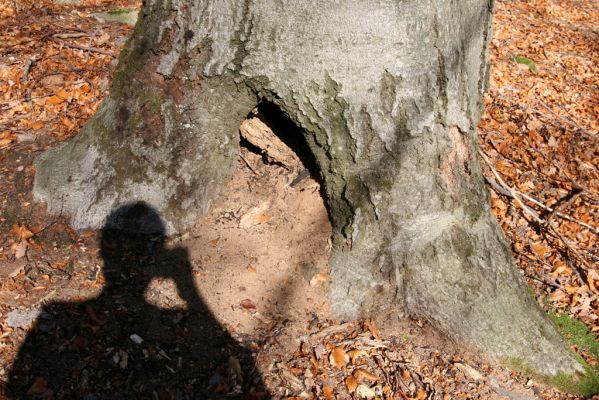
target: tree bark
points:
(388, 95)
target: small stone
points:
(25, 137)
(135, 338)
(22, 318)
(469, 371)
(10, 269)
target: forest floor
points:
(258, 258)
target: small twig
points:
(512, 191)
(562, 119)
(54, 220)
(28, 64)
(544, 282)
(248, 163)
(553, 211)
(567, 121)
(69, 35)
(15, 6)
(331, 330)
(90, 49)
(548, 225)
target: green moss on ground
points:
(578, 334)
(119, 11)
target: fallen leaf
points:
(469, 371)
(39, 387)
(262, 218)
(351, 383)
(21, 249)
(355, 354)
(421, 394)
(338, 357)
(93, 316)
(247, 304)
(54, 100)
(52, 80)
(327, 391)
(63, 94)
(25, 233)
(372, 328)
(540, 250)
(365, 392)
(255, 216)
(5, 142)
(362, 374)
(37, 125)
(318, 279)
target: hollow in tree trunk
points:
(387, 94)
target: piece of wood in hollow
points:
(260, 135)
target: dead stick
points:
(567, 217)
(90, 49)
(70, 35)
(515, 196)
(567, 121)
(28, 64)
(533, 214)
(248, 163)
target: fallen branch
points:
(532, 213)
(27, 67)
(90, 49)
(553, 211)
(248, 163)
(567, 121)
(70, 35)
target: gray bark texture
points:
(388, 95)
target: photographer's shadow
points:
(118, 346)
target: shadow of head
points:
(130, 241)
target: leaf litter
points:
(539, 133)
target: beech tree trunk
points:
(388, 95)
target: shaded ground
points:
(257, 259)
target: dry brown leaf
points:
(558, 296)
(405, 375)
(318, 279)
(39, 387)
(54, 100)
(355, 354)
(93, 316)
(24, 233)
(362, 374)
(5, 142)
(540, 250)
(37, 125)
(262, 218)
(351, 383)
(327, 392)
(338, 357)
(20, 249)
(421, 394)
(247, 304)
(372, 328)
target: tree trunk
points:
(388, 95)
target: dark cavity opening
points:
(290, 134)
